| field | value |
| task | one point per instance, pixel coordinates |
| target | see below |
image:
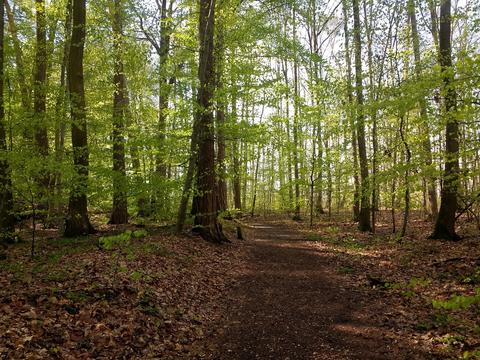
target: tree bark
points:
(7, 219)
(427, 146)
(61, 107)
(296, 105)
(161, 198)
(24, 88)
(206, 223)
(77, 222)
(222, 204)
(364, 216)
(120, 204)
(40, 100)
(351, 120)
(434, 22)
(236, 181)
(408, 158)
(40, 78)
(445, 224)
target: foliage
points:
(457, 302)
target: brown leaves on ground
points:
(77, 301)
(171, 297)
(405, 276)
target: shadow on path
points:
(291, 303)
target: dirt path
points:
(292, 303)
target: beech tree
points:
(120, 205)
(7, 220)
(205, 210)
(445, 223)
(364, 215)
(77, 221)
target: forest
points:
(240, 179)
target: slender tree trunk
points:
(237, 194)
(296, 105)
(445, 224)
(427, 146)
(61, 106)
(120, 204)
(364, 218)
(221, 184)
(161, 197)
(255, 183)
(434, 22)
(206, 222)
(373, 111)
(40, 78)
(182, 211)
(394, 191)
(408, 157)
(7, 219)
(77, 222)
(350, 115)
(20, 66)
(40, 99)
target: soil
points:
(291, 303)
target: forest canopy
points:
(189, 111)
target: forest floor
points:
(288, 292)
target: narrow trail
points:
(291, 303)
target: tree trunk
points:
(7, 219)
(434, 22)
(61, 115)
(445, 224)
(40, 100)
(373, 112)
(161, 197)
(296, 109)
(206, 223)
(237, 189)
(182, 210)
(120, 204)
(40, 78)
(77, 222)
(364, 216)
(221, 176)
(22, 79)
(427, 146)
(408, 157)
(356, 181)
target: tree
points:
(77, 221)
(7, 220)
(445, 224)
(432, 190)
(19, 59)
(220, 120)
(206, 221)
(350, 115)
(40, 95)
(120, 205)
(364, 216)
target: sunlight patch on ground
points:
(258, 226)
(357, 329)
